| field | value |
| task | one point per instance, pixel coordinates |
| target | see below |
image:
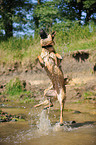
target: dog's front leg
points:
(41, 60)
(61, 113)
(62, 109)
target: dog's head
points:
(43, 34)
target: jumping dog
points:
(49, 60)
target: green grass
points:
(66, 40)
(14, 89)
(76, 38)
(89, 94)
(17, 49)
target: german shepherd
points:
(48, 60)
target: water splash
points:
(42, 128)
(64, 128)
(44, 125)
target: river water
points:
(43, 132)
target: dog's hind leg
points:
(42, 103)
(49, 105)
(50, 93)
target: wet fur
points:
(58, 89)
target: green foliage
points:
(88, 3)
(69, 37)
(15, 91)
(13, 12)
(89, 94)
(14, 87)
(47, 14)
(72, 10)
(20, 15)
(18, 49)
(15, 43)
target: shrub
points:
(14, 87)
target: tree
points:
(90, 8)
(44, 15)
(87, 6)
(72, 9)
(13, 12)
(36, 17)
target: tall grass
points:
(76, 37)
(68, 38)
(19, 49)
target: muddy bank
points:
(78, 67)
(5, 117)
(72, 62)
(35, 128)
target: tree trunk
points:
(88, 14)
(80, 7)
(7, 21)
(39, 2)
(8, 28)
(36, 20)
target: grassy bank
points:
(67, 40)
(18, 91)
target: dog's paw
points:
(61, 124)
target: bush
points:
(14, 87)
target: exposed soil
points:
(80, 106)
(78, 67)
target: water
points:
(44, 125)
(45, 133)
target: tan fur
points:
(47, 41)
(50, 63)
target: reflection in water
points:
(44, 134)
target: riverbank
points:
(25, 86)
(22, 87)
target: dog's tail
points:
(42, 103)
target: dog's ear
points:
(53, 34)
(43, 34)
